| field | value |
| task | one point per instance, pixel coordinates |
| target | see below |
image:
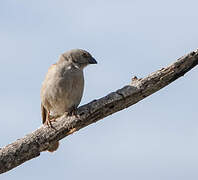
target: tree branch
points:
(32, 144)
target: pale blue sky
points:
(155, 139)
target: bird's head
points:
(78, 57)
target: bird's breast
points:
(64, 90)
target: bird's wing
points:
(43, 113)
(43, 89)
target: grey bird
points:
(63, 86)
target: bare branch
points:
(32, 144)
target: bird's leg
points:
(48, 121)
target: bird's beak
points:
(92, 61)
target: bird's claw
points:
(73, 112)
(48, 122)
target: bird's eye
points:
(85, 55)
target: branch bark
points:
(33, 144)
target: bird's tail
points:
(53, 147)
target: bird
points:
(63, 87)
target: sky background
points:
(154, 139)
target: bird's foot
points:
(48, 122)
(73, 112)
